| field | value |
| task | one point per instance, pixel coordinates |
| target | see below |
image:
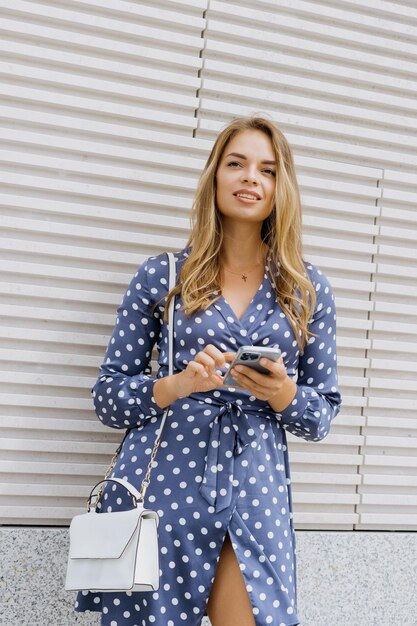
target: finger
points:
(253, 387)
(216, 355)
(251, 374)
(229, 356)
(206, 360)
(197, 368)
(276, 367)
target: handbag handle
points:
(130, 488)
(145, 482)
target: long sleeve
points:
(123, 393)
(317, 400)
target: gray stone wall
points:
(344, 579)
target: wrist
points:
(166, 390)
(285, 395)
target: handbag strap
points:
(171, 285)
(146, 480)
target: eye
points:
(233, 163)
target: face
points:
(247, 166)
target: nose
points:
(247, 176)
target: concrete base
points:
(344, 579)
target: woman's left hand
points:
(271, 387)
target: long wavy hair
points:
(199, 279)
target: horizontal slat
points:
(389, 499)
(326, 498)
(329, 478)
(391, 383)
(394, 402)
(392, 441)
(63, 468)
(397, 288)
(34, 424)
(396, 520)
(44, 491)
(398, 252)
(386, 307)
(390, 480)
(325, 520)
(324, 458)
(57, 445)
(386, 460)
(401, 234)
(395, 328)
(392, 422)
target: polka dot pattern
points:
(222, 465)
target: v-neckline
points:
(246, 311)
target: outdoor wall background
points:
(108, 111)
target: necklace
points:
(243, 275)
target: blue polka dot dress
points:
(222, 465)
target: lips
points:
(248, 192)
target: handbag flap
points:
(102, 535)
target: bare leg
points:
(228, 603)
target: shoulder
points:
(318, 278)
(157, 265)
(152, 275)
(325, 299)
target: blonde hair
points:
(199, 278)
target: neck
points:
(243, 248)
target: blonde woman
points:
(221, 480)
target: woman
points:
(221, 480)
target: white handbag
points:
(118, 551)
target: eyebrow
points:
(242, 156)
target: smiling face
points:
(247, 167)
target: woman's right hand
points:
(200, 374)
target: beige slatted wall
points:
(339, 78)
(108, 111)
(389, 472)
(97, 168)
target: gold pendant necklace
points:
(243, 275)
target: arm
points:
(317, 398)
(123, 393)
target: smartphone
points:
(250, 356)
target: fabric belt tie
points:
(230, 435)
